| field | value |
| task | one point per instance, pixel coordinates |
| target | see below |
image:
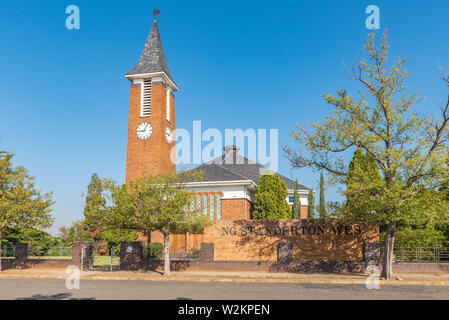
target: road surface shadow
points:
(58, 296)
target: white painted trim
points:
(140, 81)
(158, 79)
(300, 191)
(152, 75)
(231, 192)
(303, 200)
(167, 102)
(221, 183)
(142, 91)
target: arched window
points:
(192, 205)
(198, 204)
(212, 206)
(219, 206)
(205, 205)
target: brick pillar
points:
(83, 254)
(21, 251)
(285, 252)
(131, 255)
(207, 252)
(371, 253)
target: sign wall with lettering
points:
(313, 240)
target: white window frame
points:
(142, 91)
(167, 106)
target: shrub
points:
(270, 199)
(152, 250)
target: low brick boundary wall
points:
(36, 263)
(131, 258)
(421, 267)
(257, 266)
(81, 250)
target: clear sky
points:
(239, 64)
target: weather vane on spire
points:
(156, 13)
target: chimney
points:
(231, 149)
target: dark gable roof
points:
(234, 167)
(152, 58)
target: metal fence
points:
(109, 261)
(7, 251)
(419, 254)
(50, 252)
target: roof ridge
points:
(221, 167)
(234, 172)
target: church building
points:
(229, 182)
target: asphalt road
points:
(138, 290)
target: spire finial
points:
(156, 13)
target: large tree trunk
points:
(167, 253)
(387, 267)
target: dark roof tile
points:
(234, 167)
(152, 58)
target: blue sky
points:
(239, 64)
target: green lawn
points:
(50, 257)
(105, 261)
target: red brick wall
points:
(236, 209)
(153, 154)
(417, 267)
(312, 245)
(304, 210)
(36, 263)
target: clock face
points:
(168, 135)
(144, 130)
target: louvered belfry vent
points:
(146, 99)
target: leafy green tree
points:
(96, 202)
(363, 169)
(63, 232)
(296, 208)
(38, 241)
(409, 149)
(155, 203)
(356, 167)
(311, 205)
(420, 236)
(270, 199)
(322, 208)
(427, 231)
(79, 231)
(114, 237)
(21, 203)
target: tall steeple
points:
(151, 112)
(152, 59)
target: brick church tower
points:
(151, 112)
